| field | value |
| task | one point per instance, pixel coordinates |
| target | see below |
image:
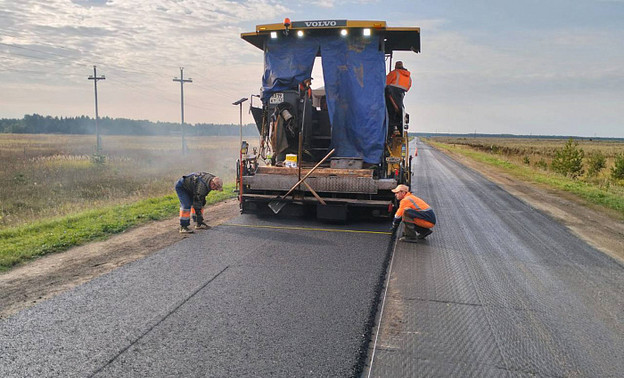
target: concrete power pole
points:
(98, 141)
(182, 81)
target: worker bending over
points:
(417, 216)
(192, 190)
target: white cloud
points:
(140, 46)
(325, 3)
(48, 48)
(552, 82)
(91, 2)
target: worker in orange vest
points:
(398, 81)
(305, 87)
(416, 214)
(192, 190)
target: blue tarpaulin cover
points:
(287, 62)
(354, 75)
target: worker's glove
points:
(395, 225)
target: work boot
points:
(202, 226)
(409, 230)
(424, 234)
(185, 230)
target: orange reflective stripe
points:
(423, 223)
(201, 211)
(185, 213)
(418, 222)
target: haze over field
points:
(529, 67)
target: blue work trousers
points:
(186, 201)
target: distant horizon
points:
(411, 133)
(525, 136)
(129, 119)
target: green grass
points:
(23, 243)
(591, 193)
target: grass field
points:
(534, 149)
(531, 160)
(48, 176)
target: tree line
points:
(38, 124)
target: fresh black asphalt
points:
(232, 301)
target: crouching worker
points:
(192, 190)
(417, 216)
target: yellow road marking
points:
(307, 229)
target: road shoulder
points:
(599, 228)
(41, 279)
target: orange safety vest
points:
(399, 78)
(302, 90)
(410, 201)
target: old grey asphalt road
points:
(498, 290)
(253, 298)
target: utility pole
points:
(182, 81)
(95, 78)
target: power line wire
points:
(31, 49)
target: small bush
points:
(542, 164)
(596, 163)
(526, 160)
(617, 171)
(569, 160)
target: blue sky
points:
(553, 67)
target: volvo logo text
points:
(318, 24)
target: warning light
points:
(286, 25)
